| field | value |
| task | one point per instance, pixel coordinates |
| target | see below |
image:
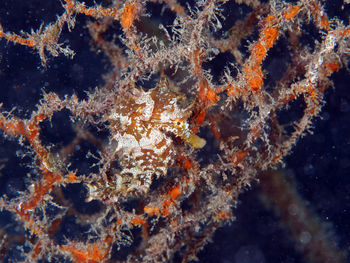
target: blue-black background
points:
(320, 162)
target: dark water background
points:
(320, 163)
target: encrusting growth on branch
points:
(182, 142)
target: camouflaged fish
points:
(140, 123)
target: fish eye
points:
(178, 122)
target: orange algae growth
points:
(291, 12)
(155, 185)
(128, 15)
(92, 255)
